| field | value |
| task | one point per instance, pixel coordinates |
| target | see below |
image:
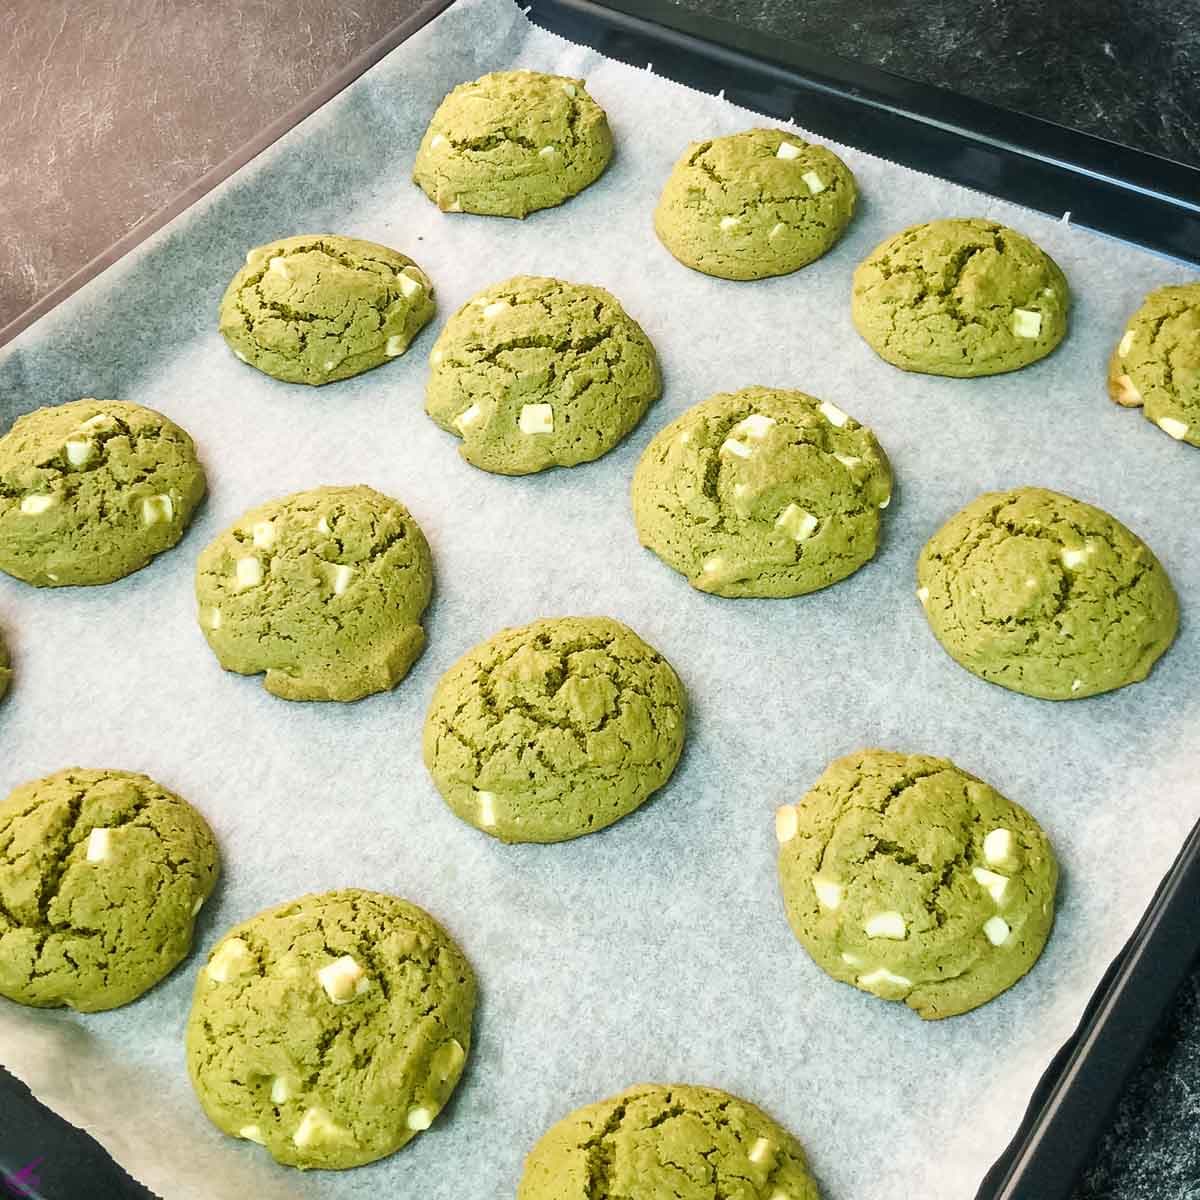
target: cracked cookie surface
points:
(915, 881)
(92, 490)
(754, 204)
(1046, 595)
(101, 876)
(331, 1029)
(1156, 365)
(535, 373)
(960, 297)
(555, 729)
(667, 1142)
(322, 590)
(319, 307)
(512, 142)
(762, 492)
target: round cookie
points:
(762, 492)
(512, 142)
(92, 490)
(960, 297)
(535, 373)
(754, 204)
(331, 1030)
(1046, 595)
(555, 729)
(316, 308)
(1156, 365)
(5, 667)
(667, 1142)
(101, 876)
(322, 590)
(913, 880)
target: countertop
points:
(109, 109)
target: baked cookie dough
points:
(92, 490)
(322, 590)
(758, 203)
(667, 1142)
(1046, 595)
(535, 373)
(512, 142)
(913, 880)
(101, 876)
(5, 667)
(554, 729)
(961, 297)
(1156, 365)
(762, 492)
(316, 308)
(331, 1030)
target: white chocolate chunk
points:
(787, 821)
(711, 566)
(248, 572)
(888, 924)
(281, 1091)
(885, 502)
(730, 222)
(79, 450)
(493, 310)
(923, 595)
(213, 618)
(754, 426)
(263, 533)
(436, 357)
(760, 1150)
(1026, 323)
(1126, 343)
(316, 1126)
(797, 522)
(330, 365)
(997, 930)
(1073, 559)
(777, 230)
(733, 446)
(252, 1133)
(240, 355)
(995, 885)
(409, 287)
(852, 960)
(99, 845)
(547, 152)
(1076, 684)
(279, 267)
(832, 413)
(33, 505)
(420, 1118)
(829, 892)
(322, 526)
(787, 150)
(99, 421)
(487, 809)
(342, 575)
(233, 959)
(454, 206)
(198, 904)
(536, 418)
(1128, 396)
(814, 181)
(847, 460)
(467, 418)
(881, 977)
(569, 88)
(343, 979)
(998, 847)
(1173, 428)
(447, 1061)
(157, 510)
(438, 140)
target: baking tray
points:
(1110, 188)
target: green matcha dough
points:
(762, 492)
(555, 729)
(316, 308)
(1046, 595)
(512, 142)
(913, 880)
(322, 590)
(92, 490)
(331, 1030)
(5, 667)
(754, 204)
(1156, 365)
(101, 876)
(667, 1142)
(535, 373)
(960, 297)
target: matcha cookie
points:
(754, 204)
(912, 880)
(323, 590)
(92, 490)
(1156, 365)
(960, 297)
(1046, 595)
(101, 876)
(316, 308)
(5, 667)
(512, 142)
(535, 373)
(762, 493)
(667, 1142)
(331, 1030)
(555, 729)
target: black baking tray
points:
(1111, 188)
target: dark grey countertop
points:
(107, 110)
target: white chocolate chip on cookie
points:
(79, 451)
(787, 151)
(420, 1118)
(787, 821)
(832, 414)
(1127, 395)
(467, 418)
(1126, 343)
(99, 845)
(231, 960)
(728, 223)
(487, 809)
(1026, 323)
(536, 418)
(829, 892)
(889, 924)
(813, 182)
(1173, 428)
(760, 1150)
(263, 533)
(797, 523)
(248, 573)
(343, 980)
(997, 930)
(32, 506)
(995, 885)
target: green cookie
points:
(667, 1142)
(5, 667)
(101, 876)
(92, 490)
(1046, 595)
(323, 590)
(555, 729)
(512, 142)
(316, 308)
(762, 492)
(960, 297)
(1156, 365)
(754, 204)
(331, 1030)
(914, 881)
(535, 373)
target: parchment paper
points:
(657, 950)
